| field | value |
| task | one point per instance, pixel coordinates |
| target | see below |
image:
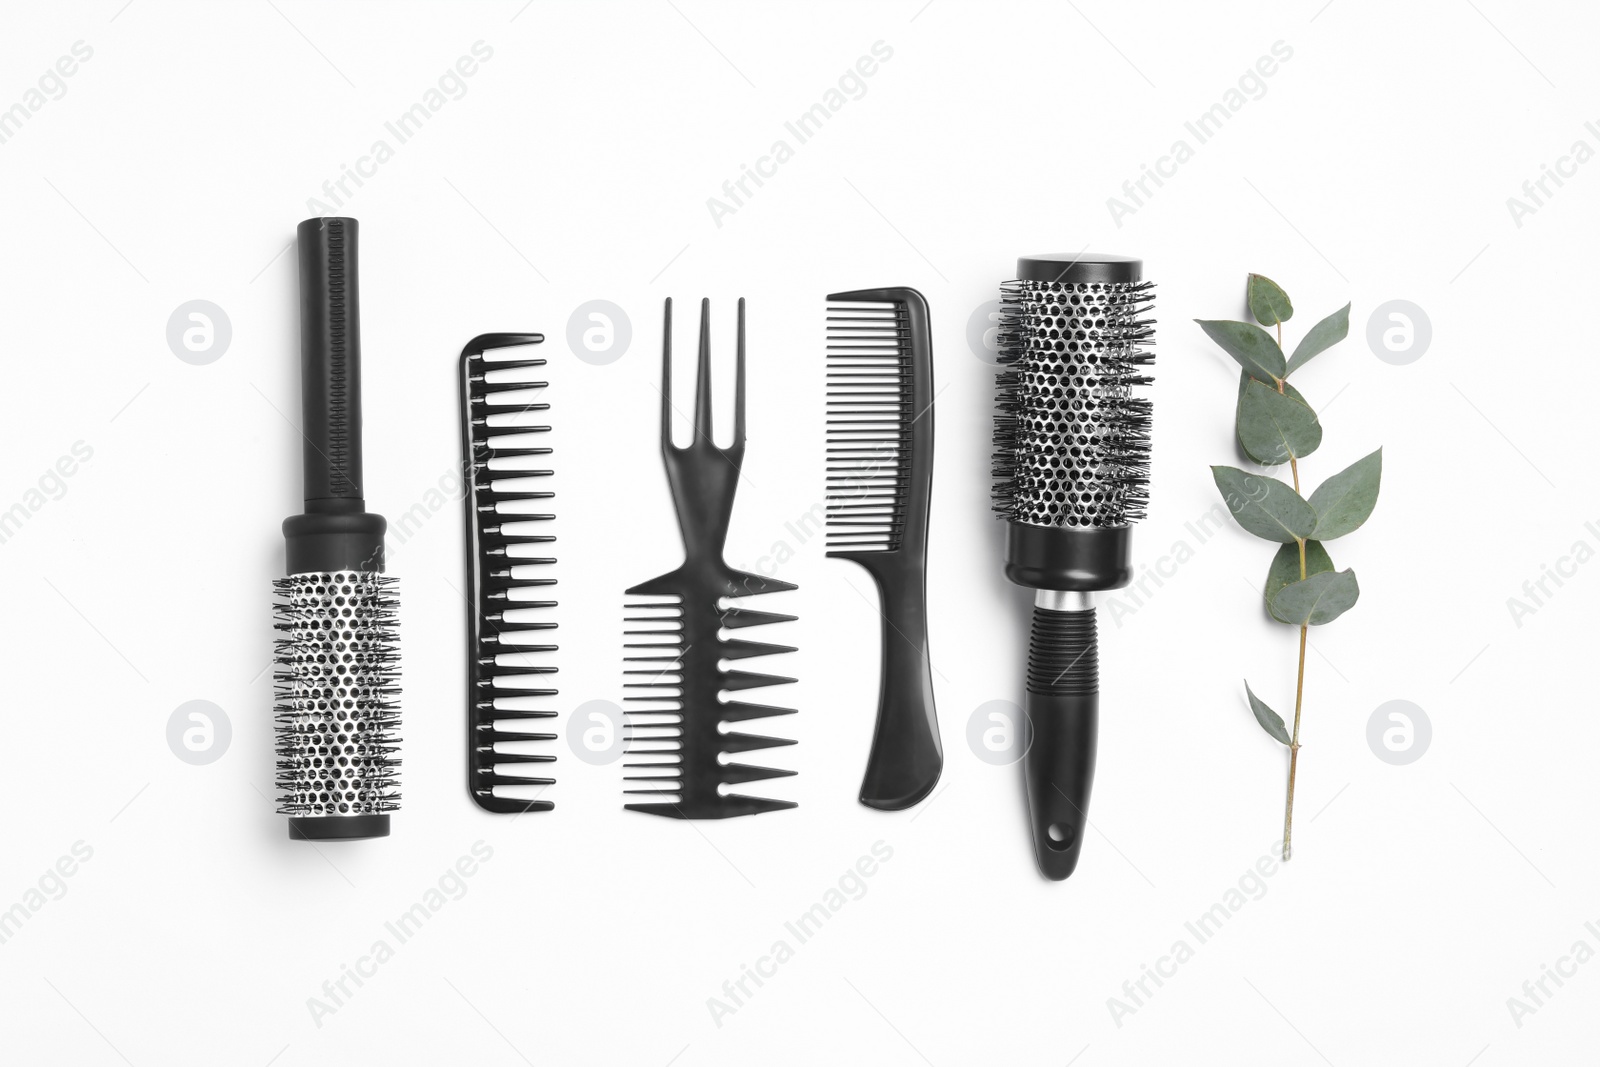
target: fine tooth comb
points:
(676, 741)
(879, 476)
(507, 660)
(1072, 469)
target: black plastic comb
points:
(879, 477)
(675, 743)
(507, 659)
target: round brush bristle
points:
(1072, 441)
(337, 684)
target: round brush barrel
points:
(337, 674)
(1071, 465)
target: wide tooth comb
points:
(505, 665)
(674, 707)
(878, 476)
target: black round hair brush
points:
(337, 658)
(1071, 468)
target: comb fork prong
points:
(702, 385)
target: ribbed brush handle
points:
(1063, 707)
(330, 362)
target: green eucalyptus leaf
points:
(1288, 387)
(1249, 344)
(1270, 720)
(1274, 427)
(1285, 569)
(1264, 506)
(1346, 500)
(1323, 336)
(1319, 599)
(1268, 302)
(1244, 384)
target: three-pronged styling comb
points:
(675, 651)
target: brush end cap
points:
(339, 828)
(1080, 268)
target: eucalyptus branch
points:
(1275, 425)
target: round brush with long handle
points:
(337, 658)
(1071, 471)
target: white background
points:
(577, 166)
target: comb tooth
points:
(492, 451)
(500, 496)
(747, 584)
(740, 773)
(481, 425)
(481, 387)
(490, 713)
(740, 711)
(735, 742)
(486, 800)
(485, 369)
(510, 690)
(492, 779)
(500, 404)
(737, 618)
(509, 758)
(738, 680)
(738, 648)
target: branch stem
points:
(1294, 748)
(1299, 696)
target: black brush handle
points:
(330, 362)
(336, 532)
(906, 756)
(1063, 706)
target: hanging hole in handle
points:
(1060, 835)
